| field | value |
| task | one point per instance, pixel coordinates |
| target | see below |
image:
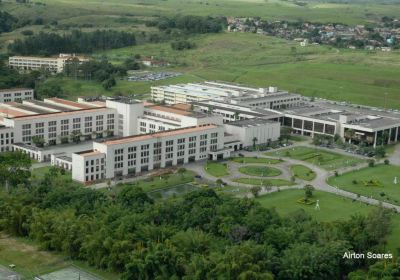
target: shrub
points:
(371, 163)
(308, 192)
(255, 190)
(382, 194)
(386, 161)
(27, 32)
(354, 182)
(336, 173)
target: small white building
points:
(15, 94)
(52, 64)
(259, 131)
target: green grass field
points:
(332, 208)
(383, 174)
(216, 169)
(350, 13)
(256, 160)
(345, 75)
(318, 157)
(302, 172)
(260, 171)
(264, 182)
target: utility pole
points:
(385, 99)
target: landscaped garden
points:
(216, 169)
(264, 182)
(332, 208)
(260, 171)
(377, 181)
(256, 160)
(324, 159)
(302, 172)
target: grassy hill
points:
(351, 75)
(346, 12)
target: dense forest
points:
(190, 24)
(7, 22)
(200, 235)
(74, 42)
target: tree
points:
(49, 89)
(109, 83)
(308, 192)
(255, 190)
(134, 198)
(286, 132)
(380, 151)
(14, 169)
(254, 142)
(38, 141)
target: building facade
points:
(52, 64)
(132, 155)
(16, 95)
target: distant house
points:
(304, 43)
(151, 62)
(386, 49)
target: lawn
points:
(324, 159)
(256, 160)
(30, 261)
(357, 182)
(332, 208)
(264, 182)
(216, 169)
(302, 172)
(260, 171)
(157, 182)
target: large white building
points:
(270, 97)
(15, 94)
(102, 138)
(129, 156)
(54, 129)
(52, 64)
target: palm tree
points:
(254, 142)
(236, 116)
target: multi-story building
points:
(352, 123)
(52, 64)
(159, 118)
(55, 121)
(270, 97)
(121, 137)
(15, 94)
(128, 156)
